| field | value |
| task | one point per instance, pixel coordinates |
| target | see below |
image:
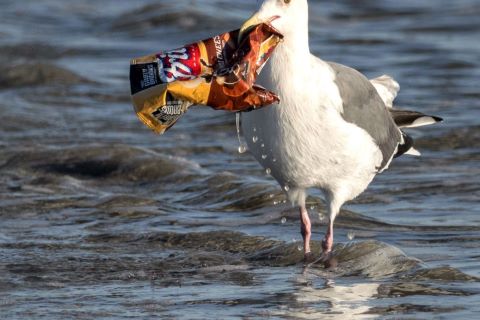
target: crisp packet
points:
(219, 72)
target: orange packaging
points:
(219, 72)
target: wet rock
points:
(281, 255)
(408, 308)
(123, 201)
(88, 168)
(102, 163)
(446, 274)
(371, 258)
(228, 241)
(405, 289)
(34, 74)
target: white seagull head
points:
(287, 16)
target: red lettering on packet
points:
(181, 64)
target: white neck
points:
(288, 60)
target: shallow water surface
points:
(100, 218)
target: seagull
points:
(334, 129)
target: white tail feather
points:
(413, 152)
(387, 89)
(423, 121)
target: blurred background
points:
(101, 218)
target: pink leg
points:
(333, 209)
(327, 242)
(306, 230)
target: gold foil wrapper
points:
(219, 72)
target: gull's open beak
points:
(250, 23)
(254, 21)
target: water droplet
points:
(254, 129)
(263, 145)
(275, 203)
(284, 201)
(286, 188)
(351, 235)
(321, 217)
(312, 207)
(284, 220)
(274, 160)
(242, 149)
(243, 145)
(264, 156)
(268, 171)
(271, 195)
(255, 139)
(299, 248)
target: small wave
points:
(157, 16)
(41, 51)
(462, 138)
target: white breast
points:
(304, 141)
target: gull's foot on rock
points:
(327, 259)
(308, 258)
(327, 244)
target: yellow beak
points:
(249, 24)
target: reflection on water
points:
(349, 302)
(99, 218)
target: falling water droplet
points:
(286, 188)
(271, 195)
(263, 145)
(275, 203)
(299, 248)
(254, 129)
(255, 139)
(321, 217)
(242, 149)
(264, 156)
(274, 159)
(243, 145)
(312, 207)
(284, 220)
(268, 171)
(351, 235)
(284, 201)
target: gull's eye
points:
(287, 1)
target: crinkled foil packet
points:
(219, 72)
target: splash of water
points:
(351, 235)
(243, 145)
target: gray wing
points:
(363, 107)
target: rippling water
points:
(100, 218)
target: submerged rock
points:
(371, 258)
